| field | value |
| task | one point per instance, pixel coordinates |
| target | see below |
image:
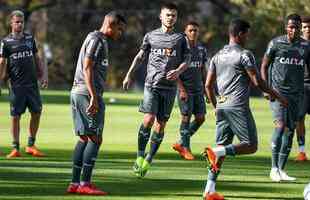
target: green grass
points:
(170, 178)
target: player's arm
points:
(182, 92)
(3, 68)
(262, 85)
(137, 61)
(88, 71)
(209, 87)
(41, 71)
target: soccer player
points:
(88, 108)
(305, 103)
(283, 66)
(19, 61)
(168, 58)
(191, 92)
(233, 69)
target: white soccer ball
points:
(307, 192)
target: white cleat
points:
(275, 175)
(285, 177)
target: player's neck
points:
(166, 29)
(233, 41)
(17, 34)
(192, 43)
(306, 37)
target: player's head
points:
(168, 15)
(305, 27)
(292, 26)
(114, 25)
(239, 30)
(191, 30)
(17, 21)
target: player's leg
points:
(199, 110)
(224, 137)
(300, 132)
(17, 107)
(34, 105)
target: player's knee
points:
(96, 139)
(83, 138)
(279, 124)
(16, 118)
(160, 126)
(252, 148)
(200, 119)
(185, 118)
(148, 120)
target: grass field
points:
(242, 178)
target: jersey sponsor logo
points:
(291, 61)
(21, 54)
(165, 52)
(195, 64)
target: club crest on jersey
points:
(105, 62)
(291, 61)
(164, 52)
(29, 44)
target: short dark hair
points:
(117, 17)
(237, 26)
(293, 17)
(17, 13)
(170, 6)
(305, 19)
(193, 23)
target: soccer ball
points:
(307, 192)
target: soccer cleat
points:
(178, 147)
(275, 175)
(213, 196)
(145, 167)
(285, 177)
(137, 166)
(14, 153)
(90, 189)
(212, 158)
(187, 154)
(301, 157)
(34, 151)
(72, 188)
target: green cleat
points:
(138, 165)
(145, 167)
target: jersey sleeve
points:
(248, 60)
(270, 51)
(34, 49)
(205, 56)
(3, 50)
(93, 47)
(145, 46)
(186, 54)
(212, 67)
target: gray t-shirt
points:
(94, 47)
(192, 77)
(288, 61)
(21, 66)
(230, 65)
(166, 52)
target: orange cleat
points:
(214, 196)
(14, 153)
(187, 154)
(301, 157)
(178, 147)
(72, 188)
(34, 151)
(90, 189)
(212, 158)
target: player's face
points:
(305, 29)
(192, 32)
(17, 24)
(168, 17)
(117, 30)
(292, 29)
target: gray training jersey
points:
(166, 52)
(230, 65)
(94, 47)
(192, 77)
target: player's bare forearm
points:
(88, 72)
(2, 68)
(39, 65)
(264, 68)
(135, 63)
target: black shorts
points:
(195, 104)
(25, 97)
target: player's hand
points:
(44, 83)
(183, 95)
(268, 96)
(93, 107)
(283, 101)
(173, 75)
(127, 83)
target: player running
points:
(168, 58)
(233, 69)
(191, 92)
